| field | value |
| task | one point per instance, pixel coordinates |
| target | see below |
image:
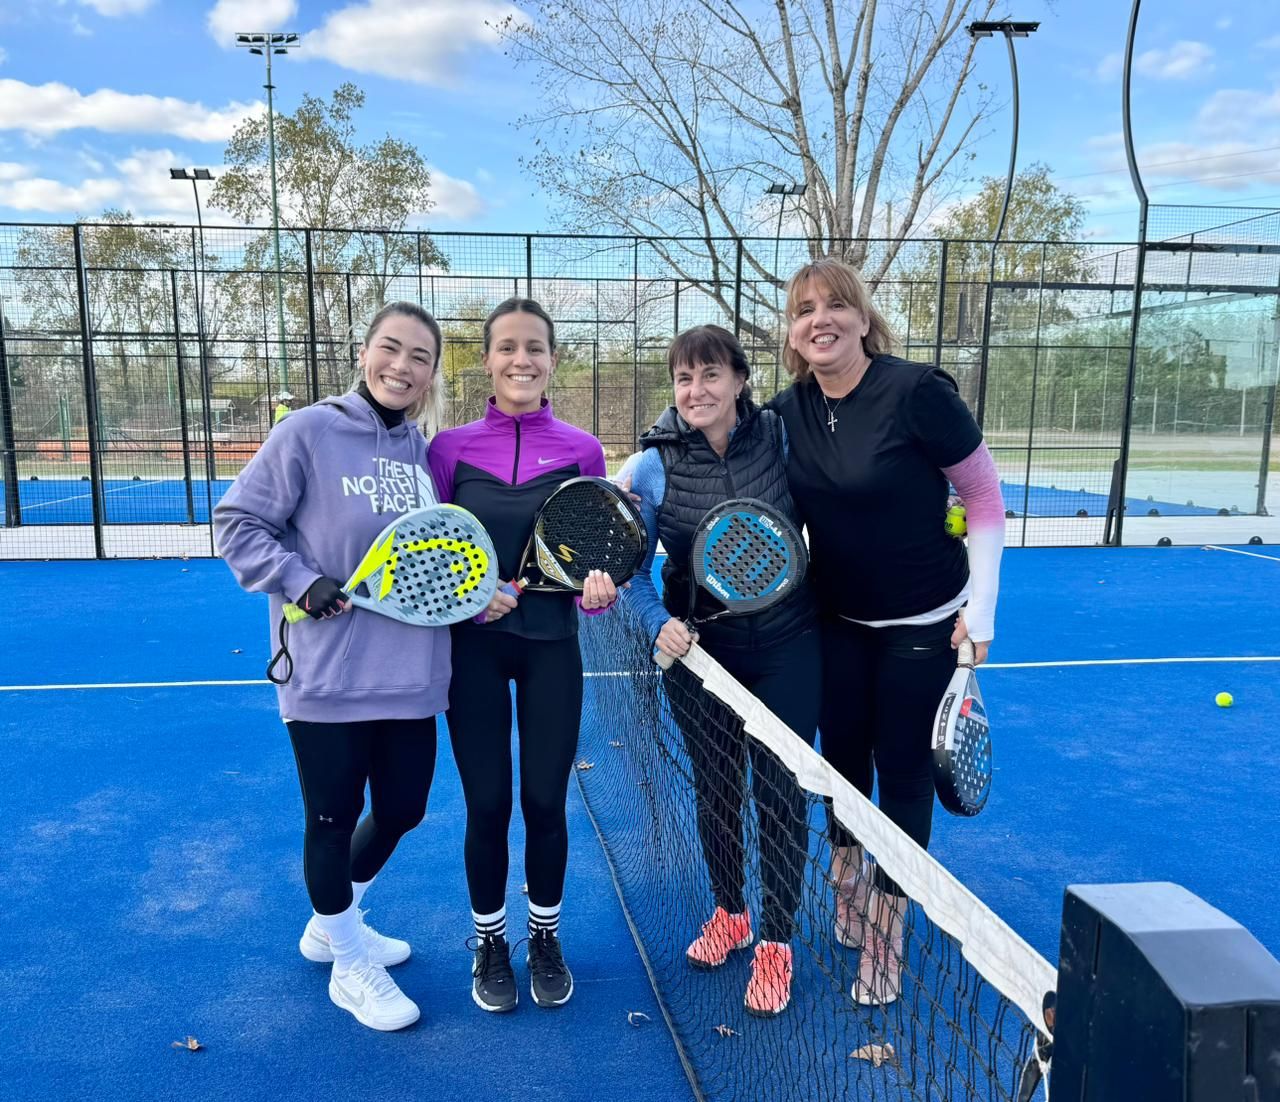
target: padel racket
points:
(748, 556)
(586, 524)
(431, 567)
(962, 741)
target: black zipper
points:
(515, 467)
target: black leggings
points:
(548, 680)
(397, 757)
(879, 696)
(786, 678)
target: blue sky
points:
(99, 97)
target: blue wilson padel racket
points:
(962, 741)
(748, 556)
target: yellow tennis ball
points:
(955, 524)
(1224, 700)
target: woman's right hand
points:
(499, 605)
(323, 600)
(675, 638)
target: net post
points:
(1162, 997)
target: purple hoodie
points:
(325, 482)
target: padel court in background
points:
(155, 878)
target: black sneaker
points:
(549, 977)
(494, 985)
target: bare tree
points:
(669, 117)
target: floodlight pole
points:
(1120, 476)
(782, 191)
(267, 43)
(1010, 30)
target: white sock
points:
(343, 932)
(491, 925)
(544, 918)
(358, 890)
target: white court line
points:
(628, 673)
(81, 497)
(1237, 551)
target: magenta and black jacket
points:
(502, 468)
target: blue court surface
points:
(172, 501)
(154, 828)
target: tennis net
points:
(968, 1022)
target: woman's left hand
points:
(961, 633)
(598, 591)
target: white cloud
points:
(1232, 111)
(458, 200)
(46, 109)
(227, 18)
(1222, 166)
(1272, 43)
(118, 7)
(1180, 61)
(414, 40)
(1224, 23)
(139, 183)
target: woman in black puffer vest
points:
(711, 446)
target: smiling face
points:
(706, 397)
(399, 361)
(826, 330)
(519, 361)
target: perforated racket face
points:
(439, 568)
(586, 525)
(748, 555)
(962, 749)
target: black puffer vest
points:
(697, 479)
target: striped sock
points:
(492, 925)
(544, 918)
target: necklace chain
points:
(832, 419)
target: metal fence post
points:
(8, 444)
(737, 291)
(90, 394)
(182, 398)
(528, 265)
(311, 323)
(941, 307)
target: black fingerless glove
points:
(324, 598)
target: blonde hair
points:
(842, 281)
(427, 411)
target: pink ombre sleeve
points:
(978, 484)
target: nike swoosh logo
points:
(356, 1000)
(543, 462)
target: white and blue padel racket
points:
(962, 741)
(746, 555)
(431, 567)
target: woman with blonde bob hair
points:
(875, 441)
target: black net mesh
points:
(700, 796)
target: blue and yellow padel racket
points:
(746, 555)
(432, 567)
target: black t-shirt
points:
(871, 492)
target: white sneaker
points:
(386, 951)
(372, 997)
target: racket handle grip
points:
(293, 613)
(663, 660)
(966, 654)
(512, 589)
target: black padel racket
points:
(586, 524)
(962, 741)
(748, 556)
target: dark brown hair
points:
(518, 306)
(709, 344)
